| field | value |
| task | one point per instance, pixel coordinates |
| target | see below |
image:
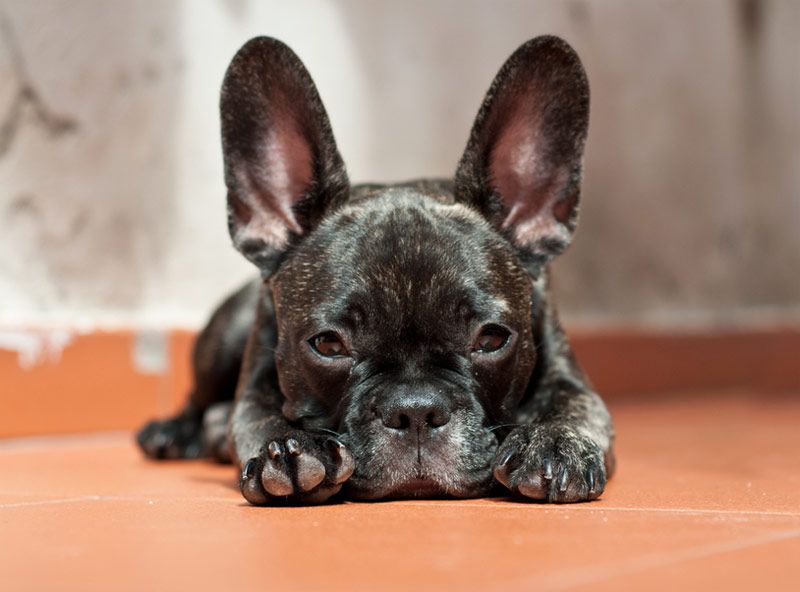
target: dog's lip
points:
(415, 487)
(414, 484)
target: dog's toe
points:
(505, 464)
(275, 479)
(310, 471)
(344, 464)
(251, 483)
(534, 486)
(301, 468)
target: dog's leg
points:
(216, 363)
(215, 431)
(284, 464)
(175, 437)
(563, 451)
(279, 462)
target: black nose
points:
(415, 411)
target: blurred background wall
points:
(111, 191)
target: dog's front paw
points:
(178, 437)
(300, 468)
(551, 462)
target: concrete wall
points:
(111, 192)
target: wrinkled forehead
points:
(399, 258)
(401, 281)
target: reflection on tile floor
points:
(707, 495)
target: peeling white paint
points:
(36, 347)
(151, 351)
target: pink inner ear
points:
(275, 183)
(288, 172)
(527, 184)
(517, 170)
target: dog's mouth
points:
(454, 462)
(416, 488)
(420, 487)
(422, 479)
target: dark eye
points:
(328, 344)
(491, 339)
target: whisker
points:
(326, 431)
(504, 425)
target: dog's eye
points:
(491, 339)
(328, 344)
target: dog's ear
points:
(282, 168)
(522, 165)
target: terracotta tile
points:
(205, 544)
(731, 451)
(707, 495)
(765, 561)
(107, 467)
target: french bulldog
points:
(401, 340)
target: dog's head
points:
(404, 312)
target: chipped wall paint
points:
(150, 353)
(36, 347)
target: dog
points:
(401, 341)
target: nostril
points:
(437, 418)
(414, 413)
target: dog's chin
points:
(420, 486)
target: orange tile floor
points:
(707, 496)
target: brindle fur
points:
(404, 268)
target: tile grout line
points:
(563, 508)
(555, 510)
(66, 500)
(89, 440)
(108, 498)
(702, 511)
